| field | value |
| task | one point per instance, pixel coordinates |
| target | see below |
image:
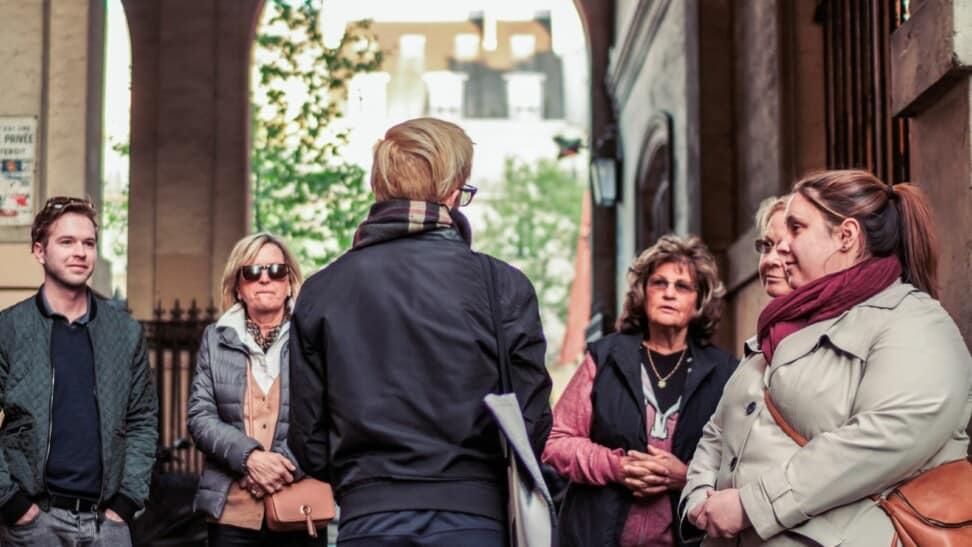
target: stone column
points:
(53, 59)
(188, 200)
(932, 84)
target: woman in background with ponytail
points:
(860, 359)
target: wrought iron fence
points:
(173, 339)
(861, 132)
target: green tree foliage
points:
(532, 221)
(302, 189)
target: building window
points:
(368, 97)
(411, 46)
(524, 95)
(523, 46)
(444, 90)
(467, 47)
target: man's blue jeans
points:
(58, 527)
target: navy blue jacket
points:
(392, 351)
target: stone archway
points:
(190, 126)
(598, 21)
(189, 145)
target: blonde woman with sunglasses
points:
(239, 404)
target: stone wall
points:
(779, 132)
(649, 77)
(53, 56)
(932, 84)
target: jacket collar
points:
(836, 332)
(627, 355)
(231, 327)
(701, 366)
(45, 308)
(751, 346)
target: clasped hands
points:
(267, 473)
(721, 515)
(652, 473)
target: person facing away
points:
(629, 420)
(79, 433)
(238, 405)
(859, 358)
(393, 350)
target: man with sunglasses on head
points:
(393, 349)
(77, 444)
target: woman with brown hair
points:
(630, 418)
(860, 359)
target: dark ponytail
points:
(919, 242)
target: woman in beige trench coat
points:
(860, 359)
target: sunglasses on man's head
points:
(59, 202)
(254, 271)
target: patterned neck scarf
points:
(266, 341)
(396, 218)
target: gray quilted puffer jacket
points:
(215, 411)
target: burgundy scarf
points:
(824, 298)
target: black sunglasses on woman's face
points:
(254, 271)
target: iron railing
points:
(173, 339)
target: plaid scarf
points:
(266, 341)
(396, 218)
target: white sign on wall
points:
(18, 145)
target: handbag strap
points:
(797, 438)
(489, 270)
(778, 418)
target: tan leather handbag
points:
(933, 509)
(307, 504)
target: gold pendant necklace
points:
(662, 382)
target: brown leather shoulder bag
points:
(933, 509)
(307, 504)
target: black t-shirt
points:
(665, 365)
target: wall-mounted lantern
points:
(604, 169)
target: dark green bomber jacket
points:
(127, 406)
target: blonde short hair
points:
(767, 208)
(244, 253)
(421, 160)
(672, 249)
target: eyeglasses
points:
(254, 271)
(60, 202)
(763, 246)
(466, 194)
(659, 284)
